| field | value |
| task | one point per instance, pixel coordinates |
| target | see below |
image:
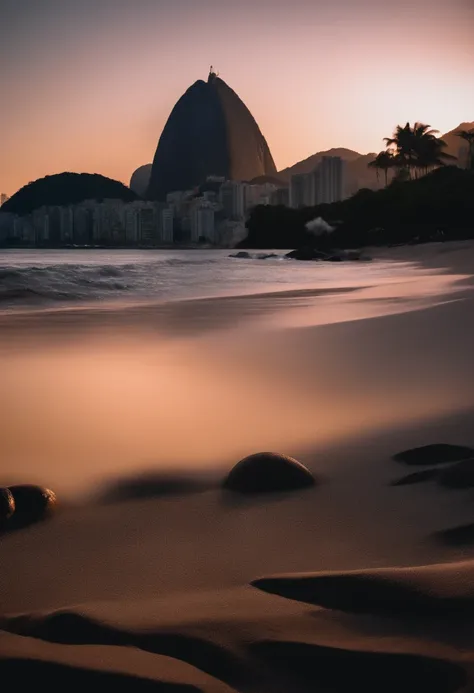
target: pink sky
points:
(88, 86)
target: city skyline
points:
(90, 87)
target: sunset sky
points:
(87, 85)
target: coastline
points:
(158, 587)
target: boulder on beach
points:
(445, 589)
(459, 475)
(268, 472)
(242, 255)
(7, 506)
(439, 453)
(32, 504)
(306, 254)
(416, 477)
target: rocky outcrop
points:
(438, 453)
(32, 504)
(210, 132)
(268, 472)
(7, 506)
(140, 180)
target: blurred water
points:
(117, 389)
(59, 277)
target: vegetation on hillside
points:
(65, 189)
(427, 199)
(439, 205)
(412, 151)
(468, 136)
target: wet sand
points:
(176, 584)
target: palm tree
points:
(431, 154)
(468, 136)
(384, 161)
(417, 148)
(401, 146)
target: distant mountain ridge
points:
(358, 174)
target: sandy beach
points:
(151, 576)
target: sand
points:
(154, 577)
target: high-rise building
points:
(203, 223)
(324, 185)
(83, 225)
(148, 225)
(40, 220)
(232, 199)
(281, 196)
(167, 216)
(300, 190)
(331, 172)
(66, 220)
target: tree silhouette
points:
(384, 161)
(417, 149)
(468, 136)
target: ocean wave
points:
(33, 285)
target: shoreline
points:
(183, 586)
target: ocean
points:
(41, 278)
(118, 363)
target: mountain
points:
(210, 132)
(358, 173)
(63, 189)
(456, 146)
(140, 180)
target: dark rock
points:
(267, 472)
(242, 254)
(444, 590)
(356, 256)
(210, 132)
(7, 506)
(306, 253)
(459, 475)
(416, 477)
(32, 504)
(463, 535)
(311, 667)
(64, 189)
(140, 180)
(334, 258)
(266, 256)
(439, 453)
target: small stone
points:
(242, 255)
(32, 504)
(459, 475)
(306, 254)
(7, 506)
(439, 453)
(417, 477)
(268, 472)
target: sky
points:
(87, 85)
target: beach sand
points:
(151, 576)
